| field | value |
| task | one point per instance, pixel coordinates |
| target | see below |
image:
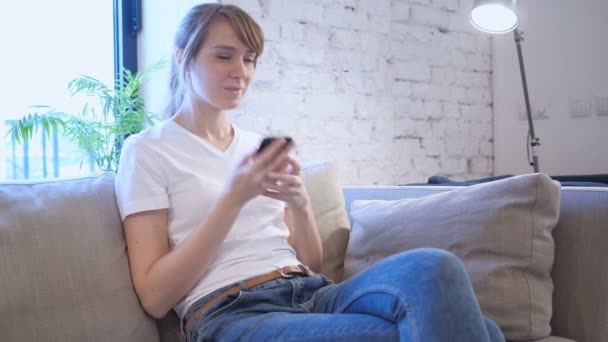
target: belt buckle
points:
(283, 274)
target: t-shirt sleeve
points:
(140, 184)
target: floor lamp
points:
(501, 16)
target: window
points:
(51, 43)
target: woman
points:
(221, 233)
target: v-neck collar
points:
(209, 146)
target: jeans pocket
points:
(204, 319)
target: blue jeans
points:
(419, 295)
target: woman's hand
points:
(285, 184)
(249, 177)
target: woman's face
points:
(223, 67)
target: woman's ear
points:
(179, 55)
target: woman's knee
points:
(433, 262)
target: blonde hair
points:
(191, 34)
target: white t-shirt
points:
(166, 166)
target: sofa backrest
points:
(64, 273)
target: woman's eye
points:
(249, 60)
(223, 57)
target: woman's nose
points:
(239, 70)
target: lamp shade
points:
(495, 16)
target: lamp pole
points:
(534, 141)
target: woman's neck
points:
(205, 121)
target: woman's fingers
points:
(273, 150)
(295, 166)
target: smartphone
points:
(268, 140)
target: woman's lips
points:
(234, 90)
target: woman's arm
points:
(285, 184)
(304, 237)
(162, 277)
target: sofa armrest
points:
(580, 276)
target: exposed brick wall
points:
(392, 91)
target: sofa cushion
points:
(325, 192)
(64, 272)
(501, 230)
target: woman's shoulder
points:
(148, 138)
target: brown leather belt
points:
(281, 272)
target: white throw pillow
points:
(501, 231)
(321, 182)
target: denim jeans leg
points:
(282, 313)
(426, 292)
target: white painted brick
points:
(345, 17)
(481, 165)
(361, 128)
(376, 7)
(453, 166)
(350, 60)
(344, 39)
(419, 2)
(484, 43)
(408, 108)
(374, 42)
(294, 54)
(427, 54)
(407, 71)
(400, 10)
(477, 62)
(486, 149)
(271, 29)
(476, 112)
(251, 7)
(412, 147)
(479, 95)
(444, 76)
(372, 107)
(458, 60)
(414, 33)
(430, 166)
(324, 81)
(398, 88)
(428, 16)
(348, 3)
(459, 95)
(328, 104)
(467, 42)
(296, 78)
(447, 5)
(294, 32)
(406, 128)
(379, 24)
(306, 11)
(456, 149)
(431, 92)
(433, 146)
(434, 111)
(451, 110)
(317, 37)
(460, 23)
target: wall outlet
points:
(601, 105)
(580, 108)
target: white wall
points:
(392, 91)
(566, 59)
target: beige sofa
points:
(64, 273)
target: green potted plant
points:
(98, 129)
